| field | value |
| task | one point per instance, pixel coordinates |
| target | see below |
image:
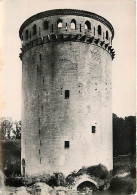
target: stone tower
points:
(66, 90)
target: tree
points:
(124, 135)
(10, 129)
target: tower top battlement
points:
(66, 25)
(63, 12)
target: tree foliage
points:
(10, 129)
(124, 135)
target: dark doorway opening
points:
(86, 186)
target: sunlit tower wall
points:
(66, 91)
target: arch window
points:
(34, 29)
(73, 24)
(26, 34)
(59, 23)
(46, 25)
(87, 25)
(107, 35)
(99, 30)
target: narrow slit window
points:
(67, 145)
(39, 131)
(43, 80)
(52, 27)
(66, 27)
(99, 30)
(26, 34)
(94, 31)
(40, 57)
(34, 29)
(40, 160)
(93, 128)
(67, 94)
(80, 27)
(107, 35)
(39, 151)
(103, 36)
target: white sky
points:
(120, 13)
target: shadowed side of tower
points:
(66, 89)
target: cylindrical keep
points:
(66, 90)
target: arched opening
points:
(59, 23)
(26, 34)
(99, 30)
(86, 186)
(73, 24)
(46, 25)
(87, 25)
(23, 167)
(107, 35)
(34, 29)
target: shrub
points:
(98, 171)
(14, 181)
(123, 184)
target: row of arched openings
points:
(34, 32)
(60, 24)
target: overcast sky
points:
(120, 13)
